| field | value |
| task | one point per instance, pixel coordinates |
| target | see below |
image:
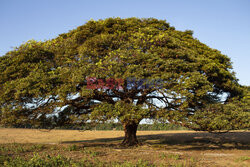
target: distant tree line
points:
(108, 126)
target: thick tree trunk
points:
(130, 134)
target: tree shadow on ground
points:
(180, 141)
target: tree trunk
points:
(130, 134)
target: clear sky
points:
(221, 24)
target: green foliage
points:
(221, 117)
(233, 115)
(119, 110)
(44, 83)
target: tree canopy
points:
(119, 69)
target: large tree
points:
(115, 69)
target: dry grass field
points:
(101, 148)
(59, 136)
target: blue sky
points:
(221, 24)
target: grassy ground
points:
(25, 147)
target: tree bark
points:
(130, 130)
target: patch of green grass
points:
(139, 163)
(73, 148)
(3, 149)
(192, 159)
(180, 164)
(143, 163)
(163, 156)
(20, 149)
(243, 158)
(37, 161)
(14, 148)
(3, 159)
(92, 153)
(60, 161)
(174, 156)
(37, 147)
(53, 148)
